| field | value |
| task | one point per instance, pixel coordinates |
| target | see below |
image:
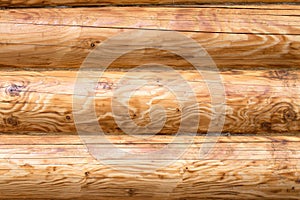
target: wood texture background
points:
(235, 37)
(255, 46)
(239, 167)
(257, 101)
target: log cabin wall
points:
(256, 47)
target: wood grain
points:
(235, 37)
(257, 156)
(60, 167)
(257, 101)
(40, 3)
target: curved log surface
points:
(235, 37)
(60, 167)
(261, 102)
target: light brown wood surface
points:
(257, 101)
(39, 3)
(60, 167)
(256, 47)
(235, 37)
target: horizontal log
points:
(40, 3)
(257, 101)
(235, 37)
(54, 167)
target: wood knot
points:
(93, 45)
(68, 118)
(104, 85)
(289, 115)
(223, 176)
(13, 121)
(87, 173)
(14, 90)
(279, 74)
(282, 113)
(266, 126)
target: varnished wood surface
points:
(41, 3)
(235, 37)
(39, 48)
(257, 101)
(60, 167)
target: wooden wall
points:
(256, 46)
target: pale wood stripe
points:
(276, 177)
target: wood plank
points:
(257, 101)
(237, 37)
(226, 173)
(39, 3)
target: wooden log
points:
(257, 101)
(40, 3)
(59, 167)
(235, 37)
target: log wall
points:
(256, 48)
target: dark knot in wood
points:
(13, 121)
(289, 115)
(14, 90)
(93, 45)
(68, 117)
